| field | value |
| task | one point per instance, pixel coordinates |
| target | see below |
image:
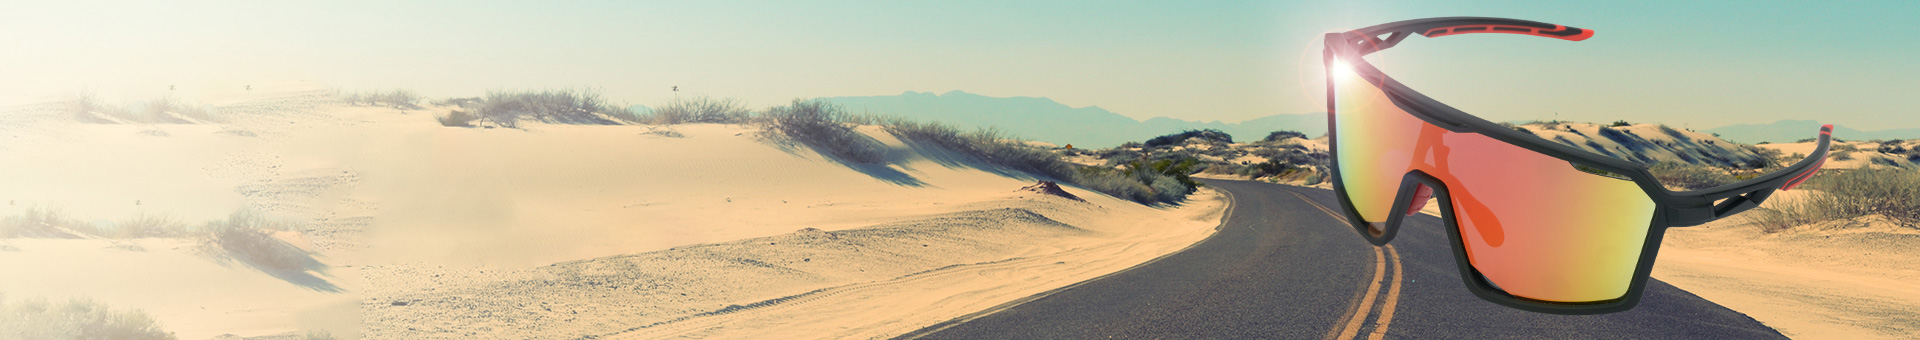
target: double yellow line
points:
(1357, 317)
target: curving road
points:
(1283, 266)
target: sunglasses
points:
(1535, 225)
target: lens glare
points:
(1534, 225)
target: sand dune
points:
(434, 232)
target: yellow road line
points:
(1393, 298)
(1354, 321)
(1352, 328)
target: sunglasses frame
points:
(1672, 208)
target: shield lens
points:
(1533, 225)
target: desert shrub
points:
(1283, 135)
(1621, 123)
(1137, 184)
(86, 104)
(1175, 169)
(1113, 182)
(145, 225)
(1272, 167)
(457, 118)
(155, 111)
(247, 236)
(551, 106)
(1843, 155)
(399, 98)
(820, 125)
(1683, 176)
(395, 98)
(78, 318)
(1894, 193)
(464, 102)
(700, 109)
(39, 222)
(1203, 134)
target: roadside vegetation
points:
(36, 318)
(699, 109)
(395, 98)
(244, 236)
(1282, 156)
(87, 107)
(1847, 194)
(1143, 182)
(830, 129)
(509, 108)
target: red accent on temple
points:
(1826, 129)
(1559, 31)
(1803, 176)
(1420, 197)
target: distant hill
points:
(1045, 120)
(1787, 131)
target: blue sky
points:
(1694, 63)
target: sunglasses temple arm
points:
(1367, 40)
(1698, 207)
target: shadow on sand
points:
(261, 251)
(884, 170)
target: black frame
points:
(1672, 208)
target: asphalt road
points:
(1284, 267)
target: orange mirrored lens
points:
(1533, 224)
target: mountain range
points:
(1042, 119)
(1787, 131)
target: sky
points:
(1698, 64)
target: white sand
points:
(1849, 279)
(403, 209)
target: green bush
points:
(1283, 135)
(74, 319)
(1203, 134)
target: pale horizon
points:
(1698, 65)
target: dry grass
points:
(88, 108)
(700, 109)
(1682, 177)
(1144, 182)
(508, 109)
(148, 225)
(395, 98)
(823, 126)
(248, 237)
(457, 118)
(74, 319)
(37, 222)
(1894, 193)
